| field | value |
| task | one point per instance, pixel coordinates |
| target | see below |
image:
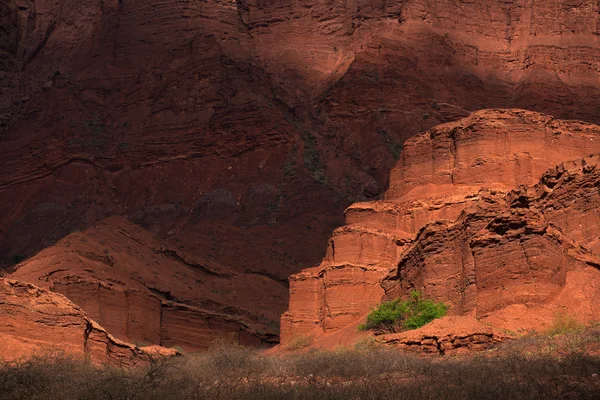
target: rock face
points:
(197, 117)
(219, 125)
(36, 321)
(143, 291)
(446, 336)
(452, 227)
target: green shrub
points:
(401, 314)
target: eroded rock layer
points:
(446, 336)
(38, 322)
(479, 216)
(144, 291)
(496, 257)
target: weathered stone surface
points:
(327, 298)
(446, 336)
(218, 122)
(483, 220)
(144, 291)
(491, 149)
(569, 197)
(494, 257)
(225, 116)
(36, 321)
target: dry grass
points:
(299, 342)
(564, 323)
(533, 368)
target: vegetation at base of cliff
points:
(299, 342)
(564, 323)
(398, 314)
(537, 367)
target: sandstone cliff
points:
(38, 322)
(198, 117)
(144, 291)
(452, 227)
(219, 125)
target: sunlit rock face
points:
(478, 215)
(40, 323)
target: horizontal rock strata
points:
(37, 322)
(144, 291)
(478, 216)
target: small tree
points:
(403, 315)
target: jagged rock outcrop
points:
(144, 291)
(495, 257)
(446, 336)
(569, 198)
(38, 322)
(452, 227)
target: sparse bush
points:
(299, 342)
(401, 314)
(233, 372)
(564, 323)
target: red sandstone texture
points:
(446, 336)
(250, 119)
(452, 227)
(238, 131)
(39, 322)
(144, 291)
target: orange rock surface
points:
(238, 131)
(143, 291)
(38, 322)
(452, 227)
(446, 336)
(250, 120)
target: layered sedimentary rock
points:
(495, 149)
(569, 197)
(38, 322)
(219, 122)
(144, 291)
(446, 336)
(479, 216)
(495, 257)
(234, 113)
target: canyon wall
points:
(37, 322)
(452, 227)
(199, 118)
(220, 125)
(144, 291)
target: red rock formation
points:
(569, 198)
(144, 291)
(452, 227)
(219, 122)
(446, 336)
(164, 111)
(37, 322)
(493, 149)
(495, 257)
